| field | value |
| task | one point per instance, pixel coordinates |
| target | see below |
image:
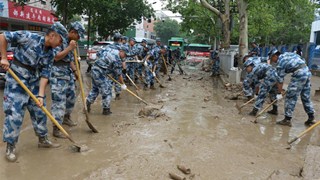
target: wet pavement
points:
(198, 128)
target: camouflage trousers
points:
(299, 85)
(63, 92)
(248, 86)
(100, 84)
(216, 67)
(268, 85)
(15, 102)
(131, 68)
(149, 76)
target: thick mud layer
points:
(197, 127)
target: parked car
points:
(92, 52)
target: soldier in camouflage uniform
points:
(249, 87)
(131, 56)
(268, 75)
(299, 85)
(216, 63)
(151, 63)
(63, 90)
(32, 63)
(141, 54)
(107, 63)
(117, 45)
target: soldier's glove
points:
(145, 63)
(124, 71)
(279, 96)
(153, 74)
(123, 87)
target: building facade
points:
(34, 16)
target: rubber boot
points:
(57, 133)
(45, 143)
(117, 97)
(274, 110)
(145, 87)
(285, 122)
(88, 104)
(172, 71)
(67, 121)
(254, 112)
(106, 111)
(11, 153)
(152, 86)
(310, 120)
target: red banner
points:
(29, 13)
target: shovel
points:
(93, 129)
(137, 89)
(157, 79)
(54, 121)
(267, 107)
(303, 133)
(165, 65)
(240, 107)
(128, 90)
(317, 92)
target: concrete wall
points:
(226, 65)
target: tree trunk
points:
(243, 29)
(225, 20)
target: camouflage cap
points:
(273, 52)
(132, 39)
(144, 41)
(60, 29)
(158, 40)
(79, 28)
(248, 62)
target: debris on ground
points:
(151, 111)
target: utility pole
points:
(89, 27)
(65, 13)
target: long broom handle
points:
(303, 133)
(155, 77)
(127, 90)
(165, 63)
(252, 99)
(80, 79)
(268, 106)
(132, 82)
(54, 121)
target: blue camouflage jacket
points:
(288, 63)
(31, 51)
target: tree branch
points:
(211, 8)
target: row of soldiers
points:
(266, 76)
(126, 62)
(40, 60)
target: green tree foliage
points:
(287, 21)
(167, 29)
(107, 16)
(199, 24)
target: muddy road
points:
(195, 126)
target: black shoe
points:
(106, 111)
(274, 110)
(254, 112)
(152, 87)
(57, 133)
(67, 121)
(45, 143)
(285, 122)
(117, 97)
(310, 120)
(11, 153)
(88, 104)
